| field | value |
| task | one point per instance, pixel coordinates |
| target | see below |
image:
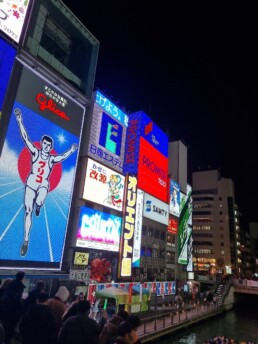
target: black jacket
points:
(79, 329)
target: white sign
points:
(138, 230)
(12, 16)
(155, 209)
(80, 275)
(103, 186)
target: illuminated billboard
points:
(185, 229)
(138, 229)
(37, 172)
(108, 133)
(103, 186)
(12, 16)
(173, 225)
(174, 200)
(127, 240)
(155, 210)
(7, 56)
(98, 230)
(146, 155)
(152, 171)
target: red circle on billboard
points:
(24, 167)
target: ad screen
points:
(37, 171)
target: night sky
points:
(192, 67)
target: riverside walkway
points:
(166, 320)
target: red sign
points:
(172, 225)
(152, 171)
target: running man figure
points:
(37, 183)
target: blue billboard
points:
(7, 56)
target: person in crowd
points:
(109, 329)
(33, 295)
(4, 287)
(135, 321)
(38, 324)
(17, 284)
(80, 328)
(2, 333)
(124, 333)
(72, 309)
(58, 304)
(11, 305)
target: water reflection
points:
(239, 324)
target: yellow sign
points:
(81, 258)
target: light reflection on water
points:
(239, 324)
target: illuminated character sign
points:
(114, 190)
(37, 183)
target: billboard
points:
(108, 133)
(185, 229)
(7, 56)
(12, 16)
(152, 171)
(127, 240)
(37, 172)
(138, 229)
(146, 155)
(155, 210)
(103, 186)
(173, 225)
(98, 230)
(174, 200)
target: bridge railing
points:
(245, 282)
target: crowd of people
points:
(42, 319)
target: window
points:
(150, 232)
(162, 236)
(156, 235)
(144, 230)
(142, 251)
(155, 253)
(149, 252)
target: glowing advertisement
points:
(7, 55)
(153, 171)
(185, 229)
(103, 186)
(155, 210)
(138, 229)
(98, 230)
(141, 125)
(174, 201)
(126, 247)
(37, 172)
(173, 225)
(108, 133)
(12, 16)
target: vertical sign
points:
(185, 227)
(138, 230)
(126, 247)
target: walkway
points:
(171, 319)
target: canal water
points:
(240, 324)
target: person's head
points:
(46, 143)
(125, 330)
(42, 298)
(134, 320)
(20, 276)
(63, 293)
(123, 314)
(83, 307)
(41, 286)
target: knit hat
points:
(63, 293)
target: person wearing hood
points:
(58, 304)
